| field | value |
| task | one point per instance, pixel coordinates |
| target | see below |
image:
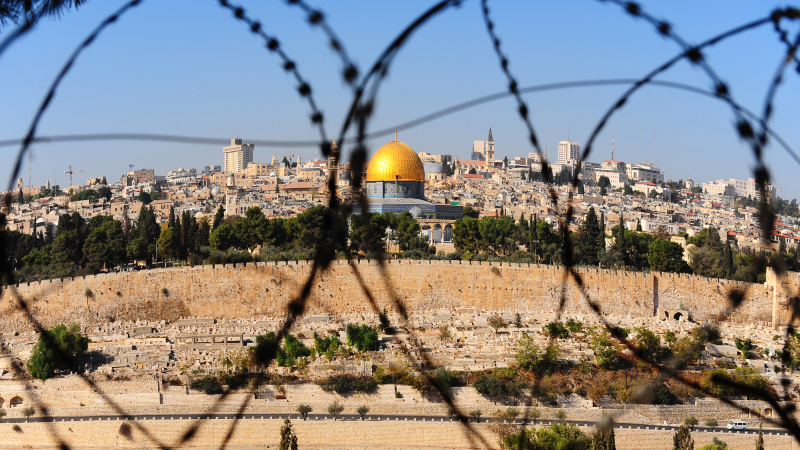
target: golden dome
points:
(395, 161)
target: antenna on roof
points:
(654, 147)
(613, 134)
(568, 126)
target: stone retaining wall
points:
(264, 289)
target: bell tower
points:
(490, 150)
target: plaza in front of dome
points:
(395, 182)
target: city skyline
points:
(153, 84)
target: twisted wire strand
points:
(52, 90)
(272, 44)
(317, 18)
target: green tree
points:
(496, 321)
(604, 440)
(471, 212)
(682, 439)
(666, 256)
(304, 409)
(556, 330)
(364, 337)
(727, 266)
(28, 412)
(490, 386)
(605, 350)
(169, 243)
(530, 357)
(647, 343)
(476, 413)
(59, 348)
(362, 411)
(589, 234)
(104, 192)
(288, 439)
(760, 438)
(223, 237)
(690, 421)
(466, 236)
(219, 217)
(105, 243)
(335, 408)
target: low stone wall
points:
(256, 433)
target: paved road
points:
(368, 417)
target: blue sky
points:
(189, 68)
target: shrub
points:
(346, 383)
(556, 330)
(574, 326)
(489, 386)
(326, 346)
(746, 376)
(663, 396)
(364, 338)
(2, 413)
(605, 351)
(531, 357)
(556, 436)
(561, 415)
(712, 423)
(208, 385)
(445, 379)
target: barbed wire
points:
(365, 91)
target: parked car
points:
(736, 425)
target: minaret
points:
(231, 195)
(490, 150)
(333, 161)
(274, 160)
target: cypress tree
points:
(589, 239)
(760, 438)
(171, 222)
(288, 439)
(219, 217)
(638, 225)
(602, 231)
(620, 239)
(682, 439)
(727, 262)
(20, 197)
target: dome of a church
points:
(433, 167)
(395, 161)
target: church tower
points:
(333, 162)
(490, 151)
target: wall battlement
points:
(264, 289)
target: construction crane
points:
(291, 157)
(70, 172)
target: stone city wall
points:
(264, 289)
(257, 433)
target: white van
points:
(737, 425)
